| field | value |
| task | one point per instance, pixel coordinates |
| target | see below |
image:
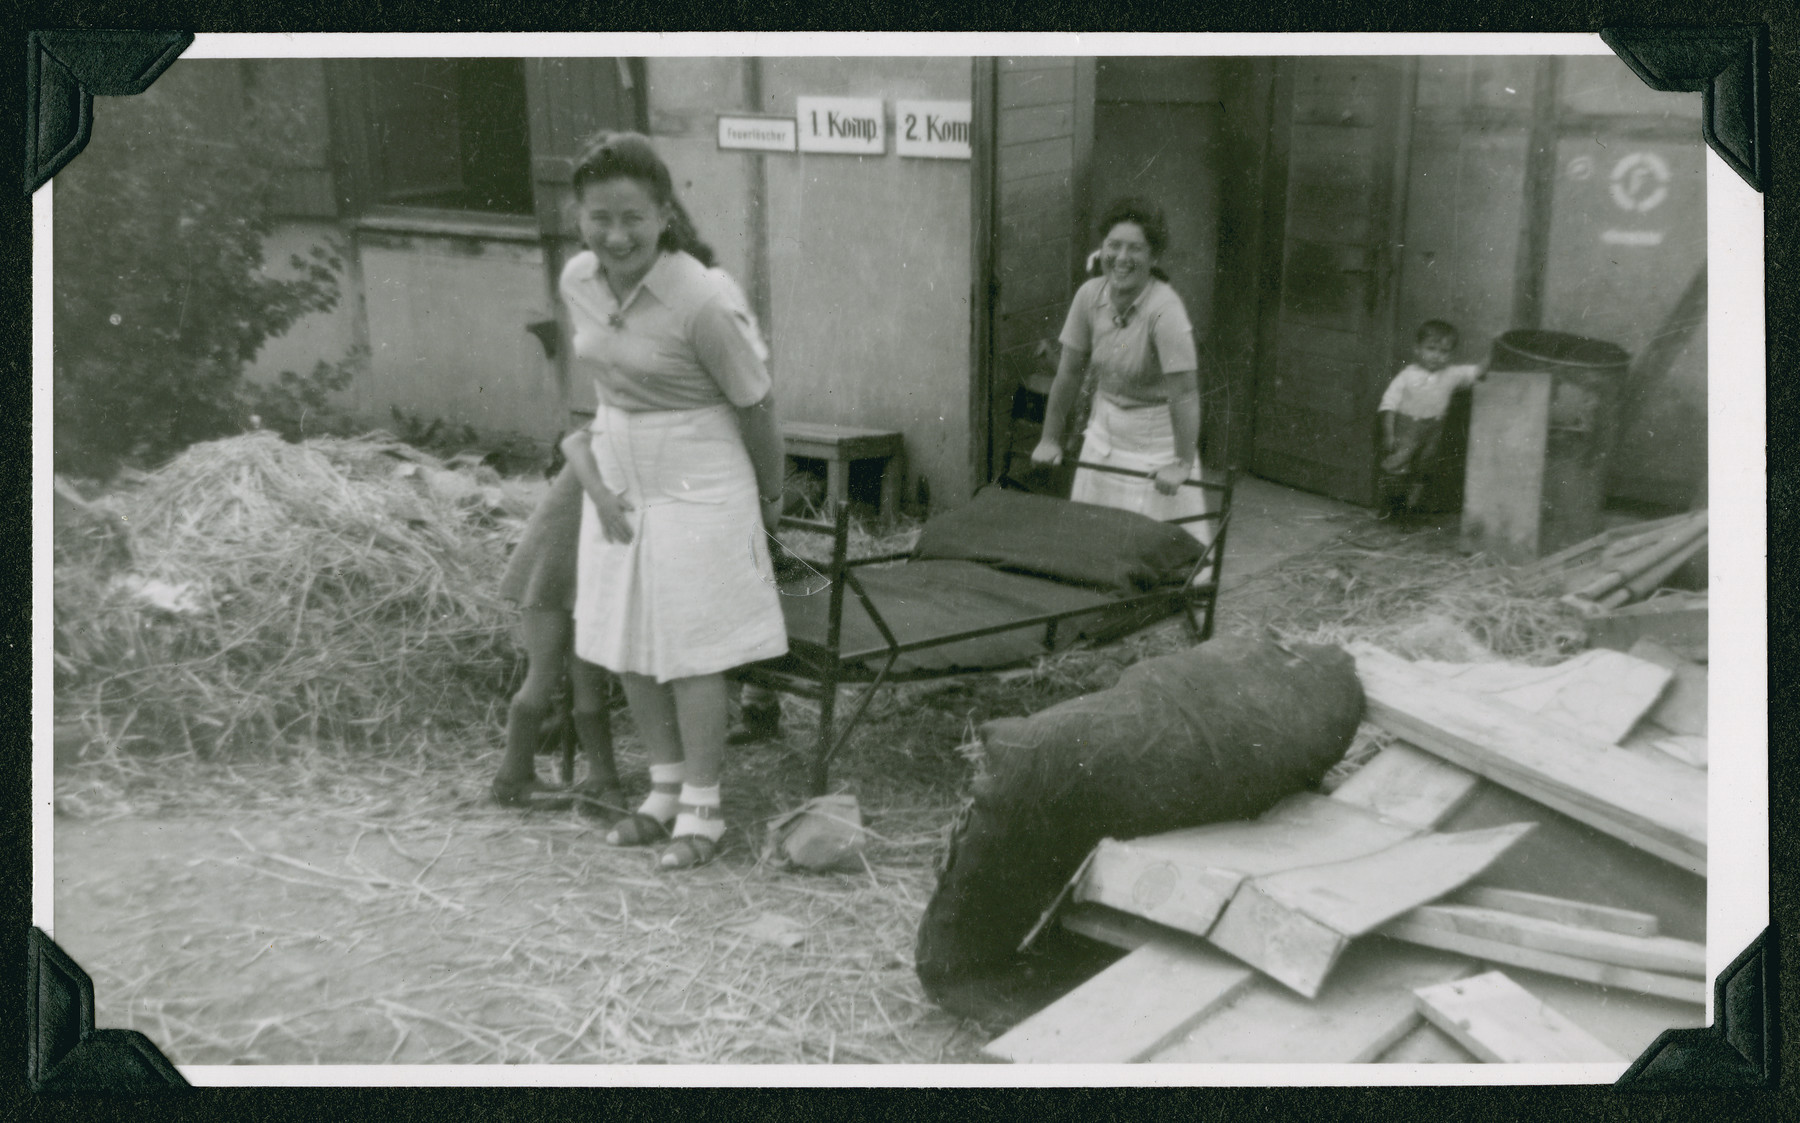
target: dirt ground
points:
(336, 911)
(319, 908)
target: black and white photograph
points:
(1184, 563)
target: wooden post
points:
(1508, 438)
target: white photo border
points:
(1738, 906)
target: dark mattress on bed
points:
(923, 600)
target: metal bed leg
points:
(821, 762)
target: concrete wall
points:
(322, 336)
(869, 272)
(866, 258)
(447, 334)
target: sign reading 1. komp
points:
(841, 124)
(933, 128)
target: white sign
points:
(762, 134)
(941, 129)
(841, 124)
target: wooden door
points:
(1043, 137)
(1327, 337)
(568, 100)
(1164, 145)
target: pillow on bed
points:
(1119, 552)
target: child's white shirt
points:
(1425, 394)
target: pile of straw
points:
(336, 589)
(1414, 595)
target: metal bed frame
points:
(815, 670)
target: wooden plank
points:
(1426, 1044)
(1502, 1023)
(1356, 895)
(1683, 706)
(1284, 943)
(1110, 926)
(1508, 439)
(1659, 807)
(1037, 157)
(1549, 962)
(1184, 878)
(1626, 922)
(1651, 953)
(1685, 747)
(1293, 925)
(1048, 86)
(1019, 124)
(1128, 1011)
(1567, 858)
(1602, 694)
(1410, 786)
(1625, 1021)
(1678, 622)
(1365, 1008)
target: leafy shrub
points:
(299, 406)
(161, 299)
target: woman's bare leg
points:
(700, 712)
(653, 712)
(593, 724)
(700, 716)
(546, 634)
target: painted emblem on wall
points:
(1640, 182)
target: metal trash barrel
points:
(1545, 419)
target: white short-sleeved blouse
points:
(676, 342)
(1131, 353)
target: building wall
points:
(447, 334)
(859, 266)
(868, 266)
(1514, 220)
(1465, 201)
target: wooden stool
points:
(841, 445)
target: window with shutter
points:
(447, 134)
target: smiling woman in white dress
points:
(682, 471)
(1130, 331)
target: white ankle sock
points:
(664, 798)
(699, 813)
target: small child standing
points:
(1412, 415)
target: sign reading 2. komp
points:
(853, 125)
(933, 128)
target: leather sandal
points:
(637, 829)
(603, 803)
(687, 852)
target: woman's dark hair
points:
(622, 155)
(1148, 217)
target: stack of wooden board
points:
(1627, 563)
(1311, 978)
(1650, 801)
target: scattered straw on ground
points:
(1412, 593)
(352, 634)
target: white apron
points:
(693, 592)
(1141, 440)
